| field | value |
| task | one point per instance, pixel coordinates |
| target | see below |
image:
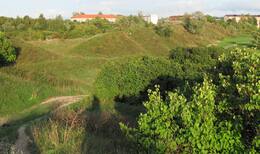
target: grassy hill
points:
(66, 67)
(69, 67)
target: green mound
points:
(115, 44)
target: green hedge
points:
(129, 77)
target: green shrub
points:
(164, 29)
(133, 77)
(194, 23)
(7, 51)
(129, 77)
(239, 84)
(221, 116)
(196, 60)
(131, 21)
(176, 125)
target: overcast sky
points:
(51, 8)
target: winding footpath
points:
(23, 140)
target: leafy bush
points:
(194, 23)
(164, 29)
(129, 77)
(7, 51)
(178, 125)
(127, 22)
(205, 56)
(221, 116)
(195, 61)
(239, 84)
(132, 77)
(211, 19)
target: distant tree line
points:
(43, 28)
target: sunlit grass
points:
(238, 41)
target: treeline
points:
(196, 21)
(42, 28)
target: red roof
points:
(176, 17)
(91, 16)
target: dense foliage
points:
(199, 58)
(164, 29)
(42, 28)
(221, 116)
(7, 51)
(246, 24)
(132, 77)
(180, 125)
(194, 22)
(123, 79)
(239, 92)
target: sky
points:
(163, 8)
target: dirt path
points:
(23, 140)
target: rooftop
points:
(236, 15)
(86, 16)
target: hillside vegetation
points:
(115, 64)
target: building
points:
(237, 18)
(153, 18)
(176, 19)
(88, 17)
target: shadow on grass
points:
(103, 133)
(166, 83)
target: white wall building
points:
(237, 18)
(153, 18)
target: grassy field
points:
(238, 41)
(69, 67)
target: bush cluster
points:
(164, 29)
(41, 28)
(134, 76)
(7, 51)
(194, 23)
(129, 77)
(221, 116)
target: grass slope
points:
(238, 41)
(66, 67)
(70, 67)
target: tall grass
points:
(59, 134)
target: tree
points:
(7, 51)
(40, 23)
(164, 29)
(211, 19)
(194, 22)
